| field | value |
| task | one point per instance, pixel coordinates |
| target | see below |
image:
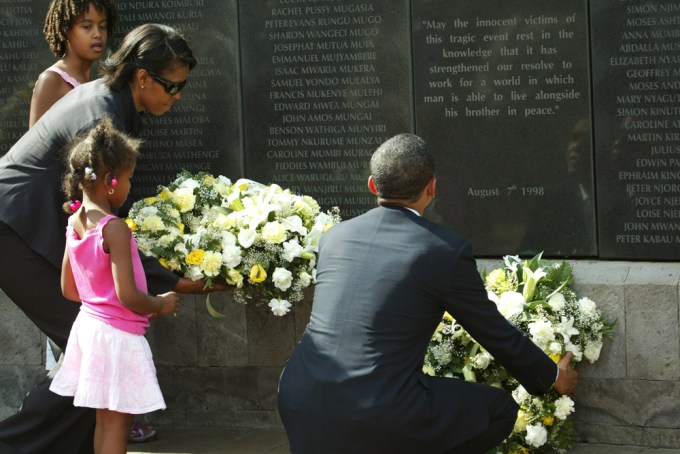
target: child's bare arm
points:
(117, 239)
(68, 283)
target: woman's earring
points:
(111, 191)
(114, 181)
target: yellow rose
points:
(195, 257)
(164, 263)
(548, 420)
(131, 224)
(150, 200)
(257, 273)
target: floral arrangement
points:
(261, 239)
(535, 296)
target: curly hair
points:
(62, 14)
(100, 150)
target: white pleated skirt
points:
(105, 367)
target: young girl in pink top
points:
(108, 363)
(77, 31)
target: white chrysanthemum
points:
(246, 237)
(305, 279)
(223, 222)
(511, 303)
(166, 240)
(282, 279)
(181, 248)
(184, 198)
(279, 307)
(148, 211)
(231, 256)
(152, 224)
(588, 307)
(194, 273)
(274, 232)
(557, 302)
(291, 250)
(536, 435)
(228, 239)
(564, 406)
(541, 332)
(212, 263)
(592, 351)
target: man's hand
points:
(567, 378)
(185, 285)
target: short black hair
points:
(401, 167)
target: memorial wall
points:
(556, 125)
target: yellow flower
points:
(208, 180)
(327, 226)
(181, 228)
(520, 450)
(257, 273)
(150, 200)
(548, 420)
(164, 263)
(448, 316)
(195, 257)
(131, 224)
(428, 370)
(520, 423)
(556, 357)
(234, 278)
(165, 194)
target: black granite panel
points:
(502, 96)
(324, 83)
(201, 132)
(24, 54)
(636, 64)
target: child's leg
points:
(112, 431)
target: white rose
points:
(536, 435)
(482, 360)
(588, 307)
(194, 273)
(279, 307)
(511, 303)
(282, 279)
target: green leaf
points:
(211, 309)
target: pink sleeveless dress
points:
(108, 362)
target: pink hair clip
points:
(114, 181)
(75, 205)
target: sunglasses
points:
(171, 88)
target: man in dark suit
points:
(354, 383)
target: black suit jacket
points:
(31, 171)
(354, 382)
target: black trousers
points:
(502, 415)
(46, 423)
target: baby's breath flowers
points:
(536, 297)
(261, 239)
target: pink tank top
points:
(92, 272)
(64, 75)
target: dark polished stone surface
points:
(502, 96)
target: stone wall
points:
(224, 372)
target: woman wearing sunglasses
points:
(145, 74)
